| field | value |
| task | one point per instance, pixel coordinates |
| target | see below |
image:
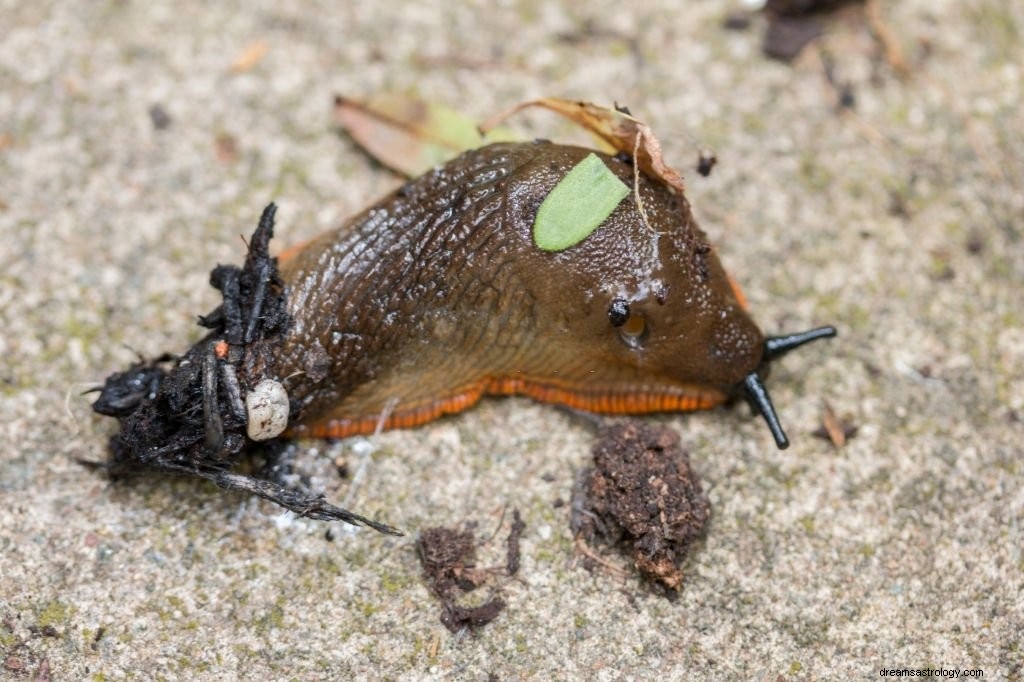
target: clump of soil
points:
(449, 566)
(642, 496)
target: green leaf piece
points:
(410, 135)
(577, 206)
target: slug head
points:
(644, 304)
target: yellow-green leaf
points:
(410, 135)
(578, 204)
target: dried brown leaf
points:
(225, 147)
(616, 128)
(834, 428)
(410, 135)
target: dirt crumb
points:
(518, 526)
(642, 495)
(448, 557)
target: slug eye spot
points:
(618, 312)
(633, 331)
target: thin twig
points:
(884, 35)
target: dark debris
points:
(159, 117)
(448, 557)
(184, 414)
(793, 24)
(518, 526)
(706, 161)
(642, 496)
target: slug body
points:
(438, 295)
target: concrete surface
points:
(900, 221)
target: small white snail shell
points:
(267, 408)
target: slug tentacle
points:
(758, 395)
(775, 347)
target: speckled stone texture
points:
(138, 141)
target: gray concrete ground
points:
(900, 221)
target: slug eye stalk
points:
(776, 347)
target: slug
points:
(437, 295)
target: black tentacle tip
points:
(762, 402)
(776, 347)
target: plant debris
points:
(192, 414)
(225, 148)
(833, 428)
(448, 557)
(250, 56)
(617, 130)
(706, 160)
(642, 495)
(514, 535)
(409, 135)
(793, 24)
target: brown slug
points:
(437, 295)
